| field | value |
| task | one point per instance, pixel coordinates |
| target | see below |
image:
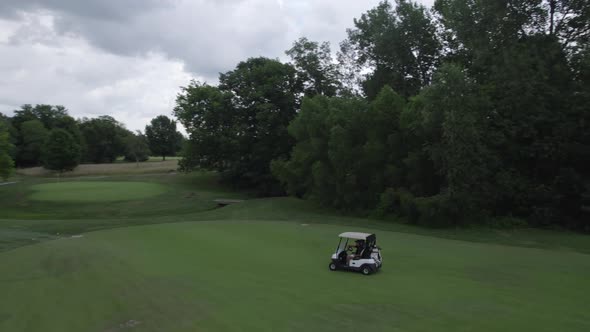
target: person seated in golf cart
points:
(358, 248)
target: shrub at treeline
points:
(476, 110)
(46, 135)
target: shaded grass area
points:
(95, 191)
(273, 276)
(184, 195)
(190, 197)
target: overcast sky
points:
(128, 58)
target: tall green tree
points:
(103, 137)
(32, 136)
(569, 21)
(49, 115)
(461, 151)
(265, 99)
(136, 147)
(398, 44)
(347, 152)
(240, 126)
(316, 70)
(207, 114)
(327, 150)
(6, 124)
(162, 136)
(61, 151)
(6, 161)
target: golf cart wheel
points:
(366, 270)
(332, 267)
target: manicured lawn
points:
(273, 276)
(95, 191)
(261, 265)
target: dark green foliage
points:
(347, 151)
(136, 147)
(240, 126)
(399, 43)
(48, 115)
(32, 135)
(100, 139)
(61, 151)
(29, 127)
(7, 127)
(6, 148)
(205, 113)
(6, 164)
(315, 69)
(456, 122)
(474, 111)
(162, 136)
(103, 137)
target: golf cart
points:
(357, 252)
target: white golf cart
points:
(357, 252)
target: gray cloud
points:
(128, 58)
(98, 9)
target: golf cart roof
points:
(356, 235)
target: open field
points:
(108, 169)
(261, 265)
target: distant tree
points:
(32, 137)
(162, 136)
(103, 138)
(61, 152)
(136, 148)
(48, 115)
(69, 124)
(315, 68)
(6, 161)
(25, 113)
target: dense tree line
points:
(468, 112)
(7, 150)
(46, 135)
(240, 126)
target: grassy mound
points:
(273, 276)
(95, 191)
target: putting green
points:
(273, 276)
(95, 191)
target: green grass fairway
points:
(173, 262)
(273, 276)
(95, 191)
